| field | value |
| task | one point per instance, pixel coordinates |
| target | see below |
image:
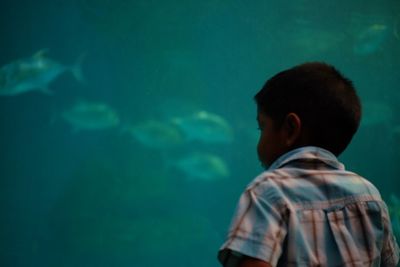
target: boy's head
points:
(310, 104)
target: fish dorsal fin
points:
(41, 53)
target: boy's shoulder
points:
(304, 181)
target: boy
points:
(306, 209)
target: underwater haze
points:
(128, 127)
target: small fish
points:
(156, 134)
(205, 127)
(33, 73)
(371, 39)
(202, 166)
(91, 116)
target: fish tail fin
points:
(76, 69)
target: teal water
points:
(108, 168)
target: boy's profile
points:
(306, 209)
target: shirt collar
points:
(307, 152)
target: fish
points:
(155, 134)
(205, 127)
(91, 116)
(202, 166)
(371, 39)
(34, 74)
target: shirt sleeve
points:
(257, 230)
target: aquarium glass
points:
(128, 127)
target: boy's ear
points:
(293, 128)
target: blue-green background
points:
(100, 198)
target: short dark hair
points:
(321, 96)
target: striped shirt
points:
(307, 210)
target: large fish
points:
(202, 166)
(205, 127)
(33, 73)
(91, 116)
(155, 134)
(371, 39)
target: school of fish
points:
(199, 127)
